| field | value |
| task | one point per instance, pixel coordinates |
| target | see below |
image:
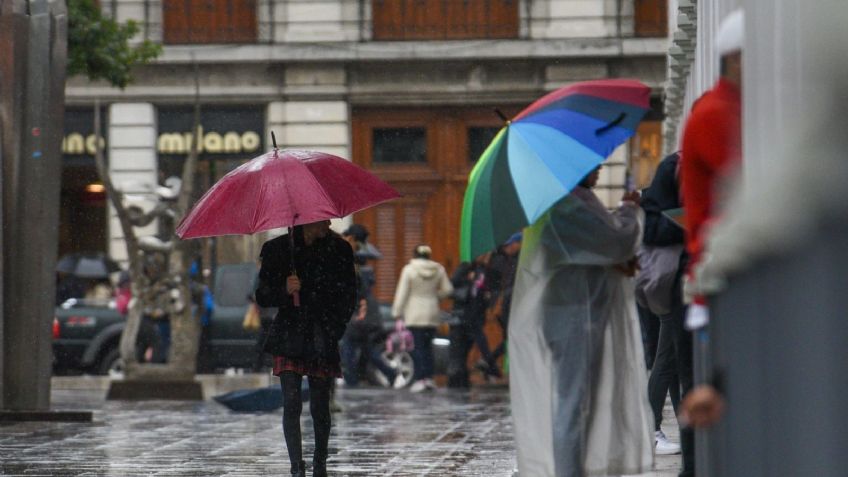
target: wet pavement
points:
(380, 432)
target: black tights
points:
(319, 406)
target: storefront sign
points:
(225, 132)
(213, 142)
(79, 142)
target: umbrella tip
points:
(274, 139)
(501, 115)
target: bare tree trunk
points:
(185, 326)
(182, 359)
(137, 278)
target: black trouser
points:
(685, 370)
(664, 378)
(461, 340)
(679, 342)
(463, 337)
(503, 319)
(650, 325)
(204, 352)
(319, 406)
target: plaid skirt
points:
(315, 368)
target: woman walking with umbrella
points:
(304, 338)
(309, 275)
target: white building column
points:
(316, 124)
(132, 165)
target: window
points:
(209, 21)
(479, 139)
(399, 145)
(444, 19)
(645, 153)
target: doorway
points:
(426, 154)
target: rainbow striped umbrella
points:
(543, 153)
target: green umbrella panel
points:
(490, 193)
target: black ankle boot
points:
(319, 468)
(299, 470)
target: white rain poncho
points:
(577, 372)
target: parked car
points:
(86, 334)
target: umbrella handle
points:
(615, 122)
(295, 295)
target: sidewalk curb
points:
(213, 384)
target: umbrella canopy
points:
(543, 153)
(87, 265)
(283, 188)
(253, 400)
(265, 399)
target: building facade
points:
(406, 88)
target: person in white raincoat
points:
(577, 374)
(421, 285)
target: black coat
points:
(470, 304)
(327, 297)
(663, 194)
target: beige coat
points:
(422, 284)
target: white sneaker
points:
(430, 384)
(418, 386)
(663, 446)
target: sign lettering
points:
(211, 142)
(76, 144)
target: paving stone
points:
(380, 432)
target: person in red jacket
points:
(711, 153)
(712, 142)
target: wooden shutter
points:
(651, 18)
(503, 18)
(209, 21)
(387, 19)
(383, 235)
(395, 229)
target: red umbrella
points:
(283, 189)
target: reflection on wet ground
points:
(380, 432)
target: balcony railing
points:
(444, 19)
